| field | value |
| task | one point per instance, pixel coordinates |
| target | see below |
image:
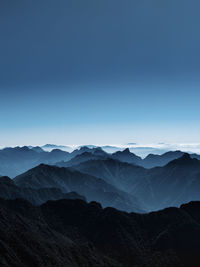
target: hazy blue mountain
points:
(153, 160)
(122, 175)
(176, 183)
(106, 148)
(14, 161)
(127, 156)
(49, 147)
(9, 190)
(54, 156)
(85, 156)
(111, 149)
(88, 146)
(74, 233)
(36, 148)
(93, 150)
(144, 151)
(68, 180)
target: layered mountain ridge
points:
(67, 180)
(91, 208)
(17, 160)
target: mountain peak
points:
(184, 160)
(126, 151)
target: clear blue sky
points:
(108, 71)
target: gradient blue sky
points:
(101, 72)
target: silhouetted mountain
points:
(68, 180)
(185, 160)
(27, 239)
(127, 156)
(74, 233)
(9, 190)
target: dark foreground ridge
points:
(74, 233)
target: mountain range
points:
(75, 233)
(121, 180)
(160, 187)
(69, 180)
(92, 208)
(14, 161)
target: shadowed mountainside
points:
(176, 183)
(9, 190)
(74, 233)
(67, 180)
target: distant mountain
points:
(85, 153)
(49, 147)
(54, 156)
(74, 233)
(127, 156)
(85, 156)
(37, 149)
(122, 175)
(68, 180)
(143, 151)
(9, 190)
(111, 149)
(93, 150)
(14, 161)
(88, 146)
(176, 183)
(160, 160)
(106, 148)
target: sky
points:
(99, 72)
